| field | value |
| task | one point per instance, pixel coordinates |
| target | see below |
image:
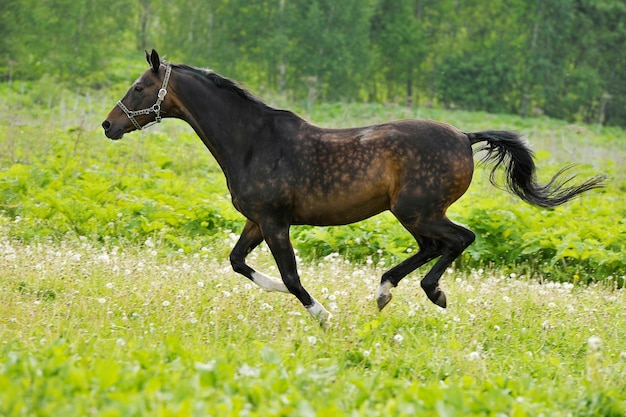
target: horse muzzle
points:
(111, 131)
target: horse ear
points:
(155, 61)
(148, 57)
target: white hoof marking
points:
(268, 283)
(318, 312)
(384, 290)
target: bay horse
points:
(283, 171)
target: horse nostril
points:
(106, 125)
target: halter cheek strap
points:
(156, 107)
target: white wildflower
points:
(248, 371)
(594, 343)
(104, 257)
(473, 355)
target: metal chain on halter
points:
(156, 107)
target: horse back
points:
(346, 175)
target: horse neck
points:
(225, 122)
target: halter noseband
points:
(156, 107)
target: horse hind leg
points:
(454, 239)
(437, 238)
(428, 250)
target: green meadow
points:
(117, 298)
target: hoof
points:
(326, 323)
(383, 296)
(324, 320)
(319, 313)
(438, 297)
(383, 300)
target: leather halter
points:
(155, 108)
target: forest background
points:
(560, 58)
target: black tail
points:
(507, 148)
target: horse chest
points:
(258, 195)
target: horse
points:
(282, 170)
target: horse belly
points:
(344, 182)
(339, 208)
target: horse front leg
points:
(277, 238)
(250, 238)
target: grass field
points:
(117, 299)
(125, 332)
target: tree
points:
(62, 38)
(399, 43)
(330, 50)
(476, 67)
(563, 58)
(600, 37)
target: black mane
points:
(226, 84)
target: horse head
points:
(148, 94)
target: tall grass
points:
(128, 332)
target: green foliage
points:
(562, 58)
(91, 196)
(567, 243)
(466, 83)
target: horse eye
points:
(139, 88)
